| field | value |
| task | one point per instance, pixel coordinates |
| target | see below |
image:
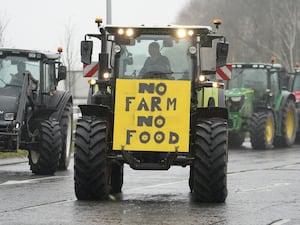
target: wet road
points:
(264, 189)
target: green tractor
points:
(152, 114)
(294, 86)
(260, 106)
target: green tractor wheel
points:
(262, 130)
(288, 126)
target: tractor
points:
(260, 106)
(294, 86)
(34, 115)
(152, 114)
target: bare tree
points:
(3, 26)
(70, 55)
(256, 30)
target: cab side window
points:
(49, 73)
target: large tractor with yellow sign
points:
(150, 109)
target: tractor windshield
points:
(12, 69)
(296, 82)
(152, 56)
(253, 78)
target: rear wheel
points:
(91, 169)
(66, 124)
(208, 178)
(44, 160)
(262, 130)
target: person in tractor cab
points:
(17, 79)
(156, 63)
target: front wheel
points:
(91, 169)
(262, 130)
(289, 123)
(44, 158)
(208, 175)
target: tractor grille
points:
(235, 106)
(230, 123)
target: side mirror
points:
(86, 50)
(222, 53)
(62, 73)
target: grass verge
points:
(18, 154)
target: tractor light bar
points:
(182, 33)
(34, 55)
(128, 32)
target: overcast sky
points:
(39, 24)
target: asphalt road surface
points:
(263, 186)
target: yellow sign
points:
(152, 115)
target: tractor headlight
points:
(117, 48)
(9, 116)
(106, 75)
(92, 82)
(236, 99)
(202, 78)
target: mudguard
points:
(212, 112)
(58, 103)
(95, 110)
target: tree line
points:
(255, 29)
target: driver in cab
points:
(156, 63)
(17, 79)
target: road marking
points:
(155, 185)
(30, 181)
(265, 188)
(280, 222)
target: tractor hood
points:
(8, 104)
(235, 92)
(9, 100)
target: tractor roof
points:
(198, 30)
(257, 65)
(30, 53)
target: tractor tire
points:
(66, 124)
(45, 159)
(91, 170)
(235, 139)
(262, 131)
(116, 180)
(191, 179)
(209, 176)
(288, 126)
